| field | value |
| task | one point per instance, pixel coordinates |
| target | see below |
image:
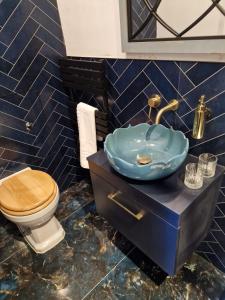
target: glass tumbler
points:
(193, 176)
(207, 162)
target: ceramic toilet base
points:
(42, 239)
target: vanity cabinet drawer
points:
(163, 218)
(138, 223)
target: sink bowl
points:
(146, 152)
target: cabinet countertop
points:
(169, 192)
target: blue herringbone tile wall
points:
(31, 43)
(131, 82)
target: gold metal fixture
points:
(172, 105)
(202, 113)
(138, 216)
(144, 159)
(153, 102)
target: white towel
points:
(87, 132)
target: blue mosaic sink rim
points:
(122, 140)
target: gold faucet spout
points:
(173, 105)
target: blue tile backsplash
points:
(131, 82)
(31, 42)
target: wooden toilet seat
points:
(27, 193)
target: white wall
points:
(91, 28)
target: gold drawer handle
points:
(137, 216)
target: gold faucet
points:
(202, 113)
(172, 105)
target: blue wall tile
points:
(31, 42)
(6, 9)
(21, 41)
(16, 21)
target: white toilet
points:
(29, 199)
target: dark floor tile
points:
(10, 240)
(197, 280)
(71, 269)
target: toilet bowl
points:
(29, 199)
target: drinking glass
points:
(207, 162)
(193, 176)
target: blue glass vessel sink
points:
(146, 152)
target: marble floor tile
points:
(134, 278)
(11, 240)
(73, 198)
(72, 268)
(95, 262)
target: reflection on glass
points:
(177, 19)
(207, 163)
(193, 176)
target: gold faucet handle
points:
(153, 102)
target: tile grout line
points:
(52, 5)
(56, 169)
(59, 133)
(216, 137)
(9, 76)
(222, 263)
(19, 31)
(45, 12)
(203, 81)
(119, 76)
(132, 100)
(37, 7)
(14, 253)
(43, 27)
(17, 59)
(34, 103)
(43, 125)
(191, 67)
(44, 43)
(166, 77)
(75, 211)
(27, 70)
(130, 83)
(112, 270)
(9, 17)
(143, 109)
(185, 75)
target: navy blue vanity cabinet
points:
(164, 219)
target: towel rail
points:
(87, 76)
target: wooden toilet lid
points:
(27, 192)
